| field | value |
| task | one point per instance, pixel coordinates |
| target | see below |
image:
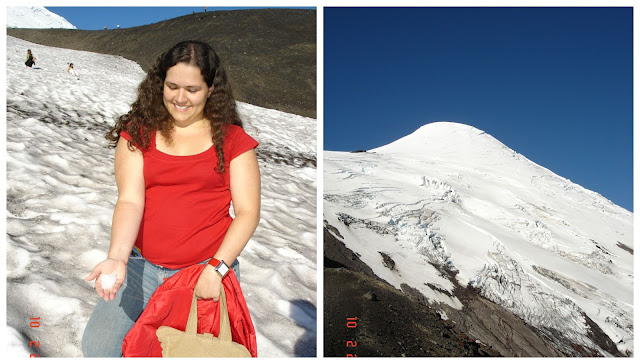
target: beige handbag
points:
(188, 343)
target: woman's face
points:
(185, 93)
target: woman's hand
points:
(108, 266)
(209, 284)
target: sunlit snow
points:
(35, 17)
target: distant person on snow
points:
(31, 60)
(181, 158)
(71, 70)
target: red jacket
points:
(170, 304)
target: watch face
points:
(222, 269)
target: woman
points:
(185, 159)
(31, 60)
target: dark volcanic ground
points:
(270, 54)
(387, 322)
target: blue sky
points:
(554, 84)
(94, 18)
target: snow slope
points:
(451, 195)
(61, 193)
(35, 17)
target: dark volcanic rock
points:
(270, 54)
(387, 261)
(382, 321)
(625, 248)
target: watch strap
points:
(214, 262)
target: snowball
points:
(107, 280)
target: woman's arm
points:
(127, 216)
(245, 194)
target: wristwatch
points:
(221, 267)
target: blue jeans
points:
(111, 321)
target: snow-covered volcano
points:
(35, 17)
(61, 192)
(450, 197)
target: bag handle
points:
(225, 325)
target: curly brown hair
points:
(148, 113)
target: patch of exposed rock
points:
(366, 317)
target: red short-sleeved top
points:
(187, 201)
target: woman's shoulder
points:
(233, 131)
(237, 141)
(150, 135)
(232, 128)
